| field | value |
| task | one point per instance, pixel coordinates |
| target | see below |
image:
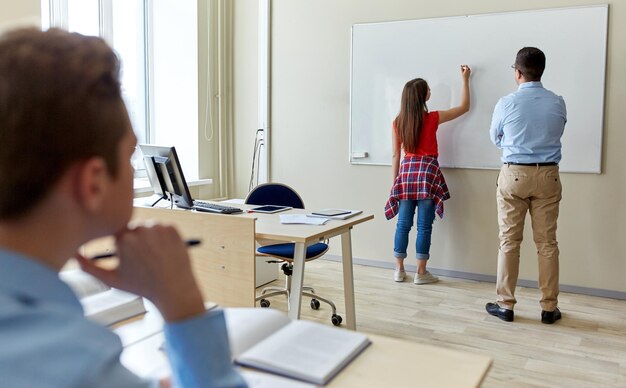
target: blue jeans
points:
(425, 218)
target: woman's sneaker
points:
(399, 275)
(425, 278)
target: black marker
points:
(190, 243)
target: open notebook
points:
(268, 340)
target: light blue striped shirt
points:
(45, 341)
(528, 124)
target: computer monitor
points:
(166, 174)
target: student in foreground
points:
(417, 179)
(527, 125)
(66, 179)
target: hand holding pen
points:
(465, 72)
(153, 263)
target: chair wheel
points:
(315, 304)
(336, 319)
(264, 303)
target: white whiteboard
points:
(386, 55)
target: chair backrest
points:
(274, 194)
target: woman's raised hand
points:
(465, 72)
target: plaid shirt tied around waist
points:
(419, 177)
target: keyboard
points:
(215, 208)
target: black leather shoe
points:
(550, 317)
(500, 312)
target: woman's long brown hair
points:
(411, 117)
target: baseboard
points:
(485, 278)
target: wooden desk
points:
(387, 362)
(392, 362)
(269, 229)
(224, 263)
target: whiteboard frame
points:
(597, 169)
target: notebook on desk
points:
(336, 214)
(302, 350)
(330, 212)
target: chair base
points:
(307, 291)
(274, 291)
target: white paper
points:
(82, 283)
(302, 219)
(247, 326)
(112, 306)
(102, 303)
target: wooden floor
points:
(587, 348)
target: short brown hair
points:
(531, 62)
(60, 103)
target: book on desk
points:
(101, 303)
(335, 214)
(268, 340)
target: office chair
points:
(283, 195)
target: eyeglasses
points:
(516, 68)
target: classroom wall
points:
(310, 99)
(19, 13)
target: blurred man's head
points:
(60, 107)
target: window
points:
(127, 36)
(122, 24)
(83, 16)
(171, 53)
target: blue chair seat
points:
(286, 251)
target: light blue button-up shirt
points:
(528, 124)
(45, 341)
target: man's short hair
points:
(531, 62)
(60, 103)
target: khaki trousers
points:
(536, 189)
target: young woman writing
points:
(417, 179)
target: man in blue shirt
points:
(527, 125)
(66, 179)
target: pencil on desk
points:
(190, 243)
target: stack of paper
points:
(102, 303)
(301, 219)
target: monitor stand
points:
(151, 201)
